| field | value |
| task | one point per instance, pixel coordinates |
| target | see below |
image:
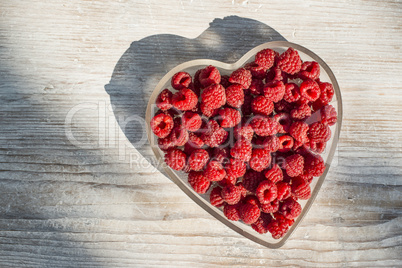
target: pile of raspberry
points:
(244, 139)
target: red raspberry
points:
(318, 132)
(179, 136)
(194, 142)
(214, 135)
(231, 194)
(276, 74)
(166, 143)
(275, 174)
(327, 92)
(251, 199)
(265, 58)
(198, 181)
(266, 192)
(161, 125)
(251, 180)
(185, 99)
(191, 121)
(301, 112)
(292, 92)
(215, 197)
(264, 126)
(314, 165)
(164, 100)
(261, 224)
(243, 130)
(235, 169)
(221, 154)
(249, 213)
(246, 107)
(290, 208)
(198, 159)
(317, 147)
(286, 143)
(231, 212)
(309, 70)
(279, 226)
(241, 150)
(214, 171)
(301, 188)
(260, 159)
(270, 143)
(328, 115)
(257, 71)
(207, 111)
(284, 190)
(234, 96)
(271, 207)
(243, 191)
(225, 81)
(209, 76)
(310, 90)
(274, 90)
(256, 87)
(298, 130)
(229, 117)
(294, 165)
(227, 181)
(213, 96)
(283, 106)
(241, 76)
(197, 84)
(307, 177)
(175, 158)
(289, 61)
(284, 121)
(181, 80)
(262, 105)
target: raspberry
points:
(214, 171)
(276, 74)
(290, 208)
(318, 132)
(309, 70)
(317, 147)
(241, 76)
(260, 159)
(251, 180)
(271, 207)
(243, 191)
(221, 154)
(185, 99)
(227, 181)
(286, 143)
(275, 174)
(274, 90)
(214, 135)
(243, 131)
(207, 111)
(326, 92)
(328, 115)
(314, 165)
(209, 75)
(251, 199)
(256, 87)
(265, 58)
(235, 96)
(284, 121)
(225, 81)
(249, 213)
(310, 90)
(215, 197)
(264, 126)
(241, 150)
(257, 71)
(198, 159)
(283, 106)
(166, 143)
(179, 135)
(198, 181)
(294, 165)
(175, 158)
(300, 188)
(231, 212)
(194, 142)
(161, 125)
(279, 226)
(246, 107)
(262, 105)
(164, 100)
(261, 224)
(213, 96)
(181, 80)
(301, 113)
(235, 168)
(271, 143)
(292, 92)
(197, 84)
(229, 117)
(284, 190)
(289, 61)
(191, 121)
(307, 177)
(231, 194)
(298, 130)
(266, 192)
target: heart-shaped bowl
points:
(180, 177)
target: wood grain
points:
(100, 203)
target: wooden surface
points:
(76, 189)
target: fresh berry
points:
(185, 99)
(215, 197)
(309, 70)
(290, 208)
(294, 165)
(234, 96)
(317, 147)
(326, 92)
(179, 135)
(256, 87)
(175, 158)
(271, 143)
(194, 142)
(298, 130)
(283, 106)
(181, 80)
(229, 117)
(284, 190)
(318, 132)
(198, 159)
(264, 126)
(260, 159)
(191, 121)
(328, 115)
(207, 111)
(262, 105)
(166, 143)
(209, 76)
(276, 74)
(198, 181)
(284, 121)
(274, 90)
(286, 142)
(161, 125)
(241, 150)
(251, 180)
(243, 130)
(256, 70)
(214, 135)
(221, 154)
(235, 168)
(310, 90)
(301, 112)
(231, 194)
(214, 171)
(275, 174)
(249, 213)
(213, 96)
(261, 223)
(251, 199)
(314, 165)
(243, 191)
(266, 192)
(300, 188)
(231, 212)
(242, 77)
(289, 61)
(164, 100)
(265, 58)
(292, 92)
(271, 207)
(279, 226)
